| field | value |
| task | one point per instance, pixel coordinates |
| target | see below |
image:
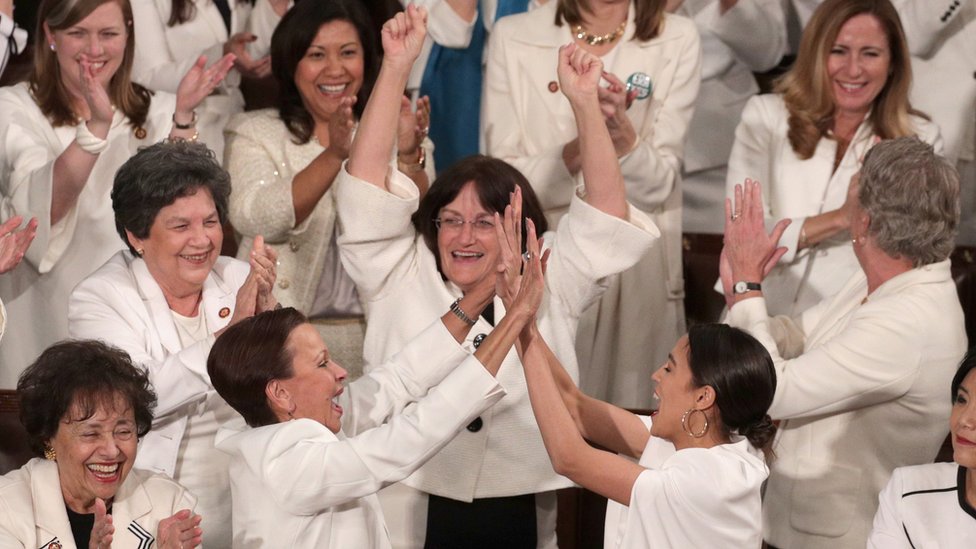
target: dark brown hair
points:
(648, 16)
(87, 374)
(291, 40)
(250, 354)
(741, 372)
(493, 179)
(46, 85)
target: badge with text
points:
(642, 83)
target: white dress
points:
(925, 506)
(526, 121)
(694, 497)
(63, 254)
(398, 278)
(797, 189)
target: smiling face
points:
(675, 393)
(98, 39)
(858, 64)
(94, 455)
(316, 381)
(331, 69)
(962, 423)
(183, 244)
(469, 251)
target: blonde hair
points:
(46, 84)
(806, 88)
(648, 16)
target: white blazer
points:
(526, 121)
(122, 304)
(862, 388)
(63, 253)
(796, 189)
(298, 484)
(163, 54)
(32, 512)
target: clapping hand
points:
(403, 36)
(99, 105)
(102, 529)
(14, 243)
(264, 268)
(614, 102)
(532, 283)
(512, 262)
(199, 82)
(341, 125)
(243, 62)
(180, 531)
(412, 126)
(750, 253)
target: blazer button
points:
(475, 425)
(283, 283)
(294, 245)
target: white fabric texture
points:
(62, 254)
(678, 489)
(797, 189)
(851, 378)
(32, 512)
(298, 484)
(526, 123)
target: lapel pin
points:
(553, 86)
(642, 83)
(224, 312)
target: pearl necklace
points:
(599, 40)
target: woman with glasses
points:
(493, 485)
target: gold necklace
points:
(599, 39)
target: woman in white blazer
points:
(60, 170)
(861, 376)
(934, 505)
(306, 472)
(283, 162)
(739, 38)
(85, 405)
(847, 91)
(173, 34)
(165, 301)
(528, 123)
(412, 257)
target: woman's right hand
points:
(251, 68)
(14, 243)
(99, 104)
(180, 531)
(102, 530)
(341, 126)
(532, 284)
(403, 37)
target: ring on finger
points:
(735, 215)
(527, 256)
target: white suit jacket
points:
(796, 189)
(121, 304)
(164, 54)
(863, 388)
(32, 512)
(396, 275)
(62, 254)
(298, 484)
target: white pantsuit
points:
(527, 121)
(862, 387)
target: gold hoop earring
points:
(50, 454)
(687, 429)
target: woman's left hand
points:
(102, 530)
(412, 126)
(614, 102)
(14, 243)
(508, 231)
(264, 268)
(180, 531)
(403, 36)
(749, 253)
(199, 82)
(532, 283)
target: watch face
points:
(740, 287)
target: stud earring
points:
(140, 251)
(52, 47)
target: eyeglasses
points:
(455, 224)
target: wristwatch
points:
(742, 287)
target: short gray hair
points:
(911, 196)
(159, 174)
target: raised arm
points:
(403, 37)
(579, 77)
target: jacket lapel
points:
(49, 510)
(132, 504)
(155, 301)
(219, 300)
